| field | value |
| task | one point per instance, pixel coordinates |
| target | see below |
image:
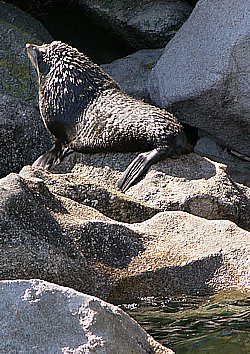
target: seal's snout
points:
(30, 49)
(36, 54)
(32, 54)
(35, 49)
(29, 46)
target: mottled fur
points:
(87, 112)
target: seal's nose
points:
(29, 46)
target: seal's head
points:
(60, 62)
(67, 82)
(43, 57)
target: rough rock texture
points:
(204, 72)
(143, 23)
(22, 134)
(191, 183)
(47, 236)
(41, 317)
(16, 29)
(206, 146)
(132, 71)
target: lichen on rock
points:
(16, 29)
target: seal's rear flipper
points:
(53, 157)
(140, 165)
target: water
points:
(209, 325)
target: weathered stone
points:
(191, 183)
(204, 72)
(41, 317)
(54, 238)
(132, 72)
(206, 146)
(22, 134)
(87, 191)
(187, 253)
(143, 23)
(16, 29)
(44, 235)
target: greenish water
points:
(215, 324)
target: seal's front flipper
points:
(53, 157)
(140, 165)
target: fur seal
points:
(86, 111)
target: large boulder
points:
(16, 29)
(22, 134)
(204, 72)
(46, 235)
(192, 183)
(41, 317)
(143, 23)
(131, 72)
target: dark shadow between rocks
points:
(67, 22)
(195, 278)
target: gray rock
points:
(132, 72)
(206, 146)
(44, 235)
(204, 72)
(16, 29)
(191, 183)
(35, 244)
(41, 317)
(22, 134)
(143, 23)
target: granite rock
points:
(192, 183)
(52, 237)
(143, 23)
(203, 75)
(16, 29)
(132, 72)
(22, 134)
(41, 317)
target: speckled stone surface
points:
(59, 239)
(23, 135)
(16, 29)
(192, 183)
(142, 23)
(41, 317)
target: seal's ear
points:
(36, 54)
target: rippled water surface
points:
(215, 324)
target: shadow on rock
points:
(30, 213)
(192, 278)
(54, 238)
(111, 244)
(84, 190)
